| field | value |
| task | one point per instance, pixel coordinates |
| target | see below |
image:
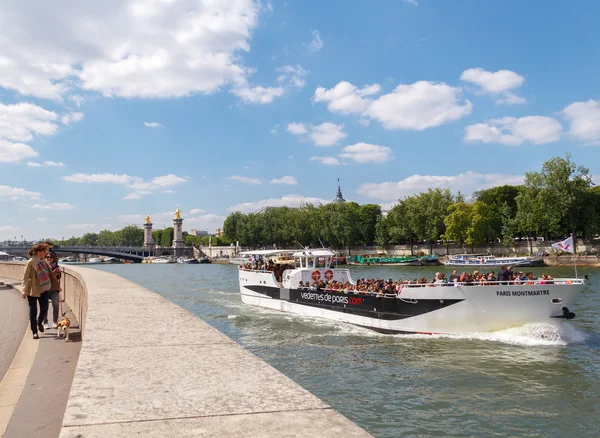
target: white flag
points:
(566, 245)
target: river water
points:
(534, 380)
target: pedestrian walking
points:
(38, 281)
(54, 293)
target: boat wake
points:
(528, 335)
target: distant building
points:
(338, 197)
(219, 233)
(199, 233)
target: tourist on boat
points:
(454, 277)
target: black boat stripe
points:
(378, 307)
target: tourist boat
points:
(94, 260)
(378, 259)
(484, 260)
(418, 308)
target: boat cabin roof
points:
(314, 253)
(268, 252)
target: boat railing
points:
(555, 281)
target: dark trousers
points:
(54, 296)
(34, 319)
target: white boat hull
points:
(432, 309)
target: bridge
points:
(132, 253)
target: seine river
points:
(536, 380)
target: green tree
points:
(166, 239)
(106, 238)
(368, 217)
(502, 204)
(480, 223)
(88, 239)
(457, 222)
(382, 234)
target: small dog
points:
(63, 324)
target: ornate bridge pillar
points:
(178, 242)
(148, 239)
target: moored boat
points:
(378, 259)
(484, 260)
(187, 260)
(409, 308)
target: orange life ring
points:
(328, 275)
(316, 275)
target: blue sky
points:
(112, 111)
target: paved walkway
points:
(13, 321)
(35, 390)
(150, 368)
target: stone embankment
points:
(148, 367)
(589, 261)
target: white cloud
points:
(46, 164)
(412, 2)
(297, 128)
(208, 221)
(496, 83)
(511, 99)
(152, 125)
(289, 180)
(466, 182)
(245, 179)
(285, 201)
(325, 134)
(274, 130)
(134, 195)
(193, 219)
(14, 152)
(134, 48)
(98, 178)
(7, 231)
(81, 226)
(257, 94)
(14, 193)
(514, 131)
(77, 99)
(21, 121)
(42, 219)
(69, 118)
(316, 43)
(417, 106)
(53, 206)
(292, 75)
(138, 185)
(167, 180)
(326, 161)
(367, 153)
(346, 98)
(584, 121)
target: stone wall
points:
(74, 290)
